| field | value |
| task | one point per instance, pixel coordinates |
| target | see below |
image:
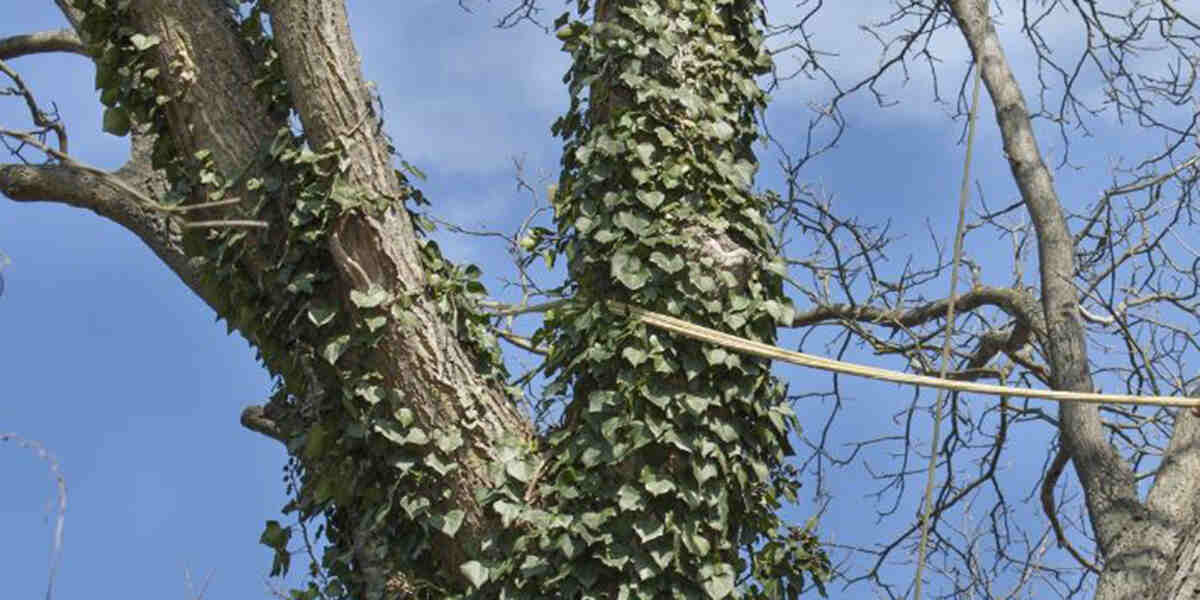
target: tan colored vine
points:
(753, 348)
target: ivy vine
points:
(666, 478)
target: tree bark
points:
(209, 71)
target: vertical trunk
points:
(672, 451)
(1143, 544)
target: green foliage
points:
(361, 455)
(667, 476)
(669, 471)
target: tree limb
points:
(1107, 479)
(62, 40)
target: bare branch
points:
(62, 40)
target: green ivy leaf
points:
(744, 171)
(439, 467)
(629, 270)
(662, 558)
(334, 348)
(321, 314)
(417, 437)
(670, 265)
(450, 523)
(704, 472)
(116, 121)
(645, 152)
(696, 542)
(651, 199)
(648, 528)
(143, 42)
(632, 222)
(404, 416)
(719, 586)
(635, 356)
(476, 573)
(519, 470)
(664, 136)
(604, 236)
(373, 297)
(374, 323)
(449, 442)
(507, 511)
(628, 498)
(715, 356)
(659, 487)
(704, 283)
(371, 393)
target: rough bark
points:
(216, 110)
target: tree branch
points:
(1107, 479)
(1019, 304)
(62, 40)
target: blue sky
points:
(114, 366)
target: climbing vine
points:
(668, 471)
(360, 453)
(668, 474)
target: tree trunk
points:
(393, 402)
(1149, 547)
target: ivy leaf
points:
(721, 130)
(371, 393)
(374, 323)
(662, 558)
(648, 528)
(629, 270)
(143, 42)
(719, 586)
(374, 296)
(604, 236)
(699, 544)
(519, 470)
(635, 356)
(651, 199)
(716, 356)
(645, 151)
(334, 348)
(449, 442)
(745, 173)
(632, 222)
(695, 404)
(664, 136)
(450, 523)
(116, 121)
(670, 265)
(628, 498)
(476, 573)
(567, 545)
(417, 437)
(321, 314)
(404, 416)
(704, 472)
(439, 467)
(659, 487)
(507, 511)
